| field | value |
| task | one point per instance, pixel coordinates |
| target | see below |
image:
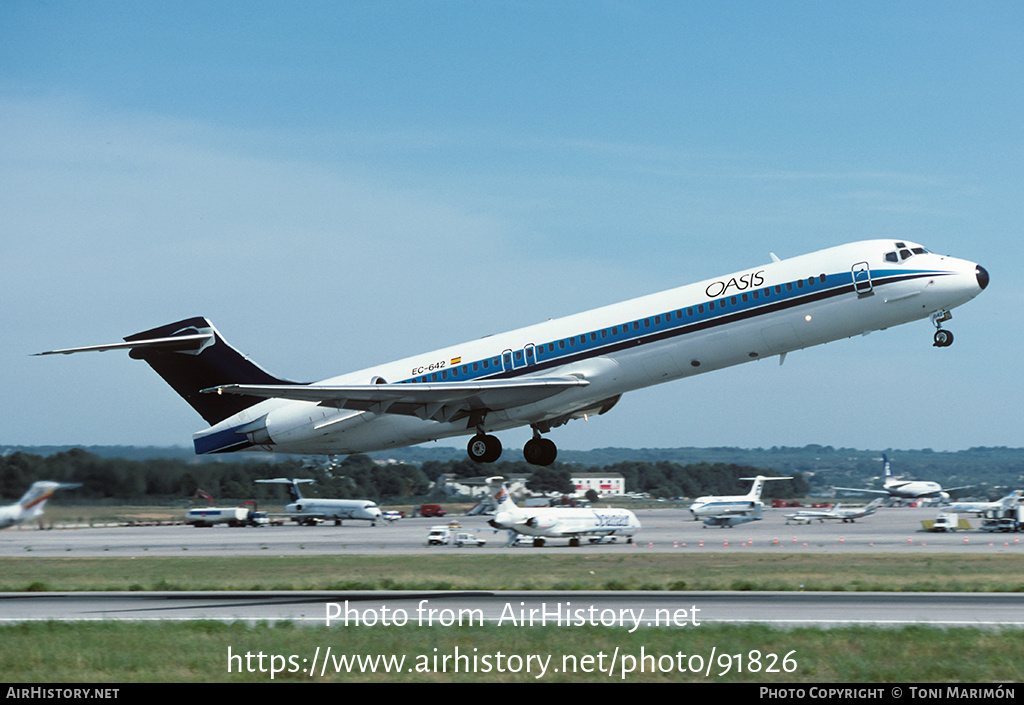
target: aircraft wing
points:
(449, 400)
(862, 489)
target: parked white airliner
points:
(573, 523)
(308, 510)
(30, 506)
(546, 374)
(906, 489)
(725, 510)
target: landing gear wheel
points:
(483, 448)
(540, 451)
(943, 338)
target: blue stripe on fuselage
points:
(687, 319)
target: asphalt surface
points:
(891, 530)
(627, 610)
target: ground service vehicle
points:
(432, 510)
(466, 539)
(439, 536)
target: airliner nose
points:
(982, 275)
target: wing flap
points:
(449, 399)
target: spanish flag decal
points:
(456, 360)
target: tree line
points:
(356, 476)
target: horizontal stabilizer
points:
(179, 343)
(191, 356)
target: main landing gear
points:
(484, 448)
(943, 337)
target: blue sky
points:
(336, 184)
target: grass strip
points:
(107, 652)
(760, 571)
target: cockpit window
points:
(902, 253)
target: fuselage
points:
(552, 522)
(913, 489)
(759, 312)
(335, 509)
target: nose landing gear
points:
(943, 337)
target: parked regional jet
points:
(547, 374)
(31, 505)
(309, 511)
(1008, 502)
(720, 508)
(544, 523)
(847, 516)
(906, 489)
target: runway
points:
(891, 530)
(625, 610)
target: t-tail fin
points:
(293, 485)
(191, 355)
(500, 495)
(41, 491)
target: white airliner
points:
(1008, 502)
(30, 506)
(572, 523)
(547, 374)
(906, 489)
(847, 516)
(718, 510)
(309, 511)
